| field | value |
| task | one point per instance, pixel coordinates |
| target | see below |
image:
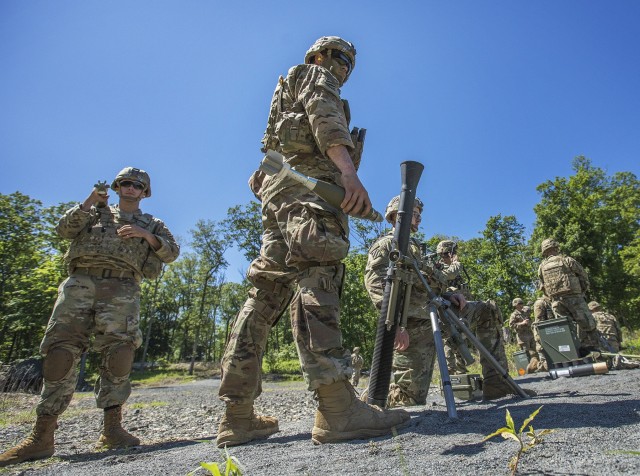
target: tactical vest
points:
(100, 238)
(558, 278)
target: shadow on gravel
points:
(554, 415)
(132, 452)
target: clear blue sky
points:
(493, 97)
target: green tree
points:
(596, 220)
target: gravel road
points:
(596, 421)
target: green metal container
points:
(558, 340)
(466, 386)
(521, 359)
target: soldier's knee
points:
(119, 360)
(57, 364)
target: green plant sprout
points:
(509, 432)
(232, 467)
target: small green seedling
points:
(509, 432)
(232, 468)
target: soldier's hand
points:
(132, 231)
(95, 198)
(356, 198)
(401, 341)
(459, 300)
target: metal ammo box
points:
(521, 359)
(558, 341)
(466, 386)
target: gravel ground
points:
(596, 421)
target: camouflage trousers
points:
(574, 308)
(107, 309)
(527, 343)
(413, 367)
(303, 242)
(485, 321)
(455, 362)
(355, 377)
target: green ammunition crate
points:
(466, 386)
(558, 340)
(521, 359)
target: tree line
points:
(186, 313)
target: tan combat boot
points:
(240, 425)
(113, 435)
(342, 416)
(38, 445)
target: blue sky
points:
(493, 97)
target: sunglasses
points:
(342, 59)
(129, 183)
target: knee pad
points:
(57, 364)
(119, 360)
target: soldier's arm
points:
(169, 249)
(376, 270)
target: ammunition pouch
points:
(294, 133)
(357, 137)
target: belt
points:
(105, 273)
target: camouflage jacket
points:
(96, 243)
(455, 279)
(376, 272)
(518, 321)
(562, 276)
(306, 117)
(542, 310)
(608, 325)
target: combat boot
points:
(240, 425)
(342, 416)
(38, 445)
(113, 435)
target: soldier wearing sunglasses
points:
(304, 242)
(112, 249)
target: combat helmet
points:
(395, 203)
(332, 43)
(517, 301)
(593, 305)
(548, 244)
(446, 246)
(137, 175)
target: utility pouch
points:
(357, 137)
(294, 133)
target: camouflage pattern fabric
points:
(303, 241)
(453, 272)
(608, 326)
(412, 368)
(561, 275)
(356, 363)
(519, 322)
(485, 321)
(107, 308)
(574, 308)
(307, 117)
(542, 311)
(96, 244)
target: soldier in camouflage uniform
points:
(356, 362)
(484, 320)
(565, 282)
(412, 366)
(607, 325)
(520, 323)
(303, 243)
(113, 248)
(453, 271)
(542, 311)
